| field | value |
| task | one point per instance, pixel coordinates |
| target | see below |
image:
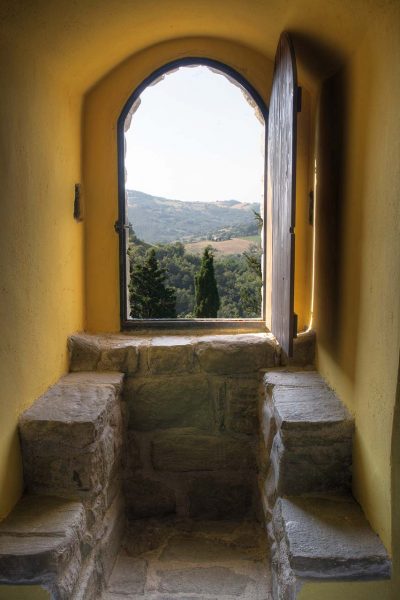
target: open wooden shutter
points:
(281, 196)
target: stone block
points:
(311, 407)
(189, 548)
(124, 358)
(110, 536)
(170, 354)
(303, 350)
(165, 402)
(233, 354)
(242, 403)
(89, 584)
(323, 538)
(148, 498)
(40, 540)
(84, 352)
(190, 450)
(71, 437)
(307, 434)
(213, 498)
(132, 460)
(128, 576)
(316, 468)
(220, 581)
(71, 415)
(293, 377)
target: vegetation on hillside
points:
(162, 220)
(238, 277)
(206, 290)
(149, 297)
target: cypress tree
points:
(149, 297)
(207, 297)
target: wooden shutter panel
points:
(281, 196)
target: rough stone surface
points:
(84, 352)
(185, 420)
(89, 584)
(190, 450)
(133, 462)
(186, 559)
(315, 534)
(149, 498)
(307, 435)
(303, 350)
(323, 539)
(242, 401)
(165, 402)
(121, 358)
(167, 354)
(312, 405)
(232, 354)
(203, 580)
(129, 574)
(292, 377)
(72, 436)
(39, 539)
(213, 498)
(72, 448)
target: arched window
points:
(191, 198)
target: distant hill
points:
(157, 219)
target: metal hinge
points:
(119, 227)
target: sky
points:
(195, 137)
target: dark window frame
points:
(121, 225)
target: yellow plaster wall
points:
(41, 246)
(102, 108)
(357, 302)
(23, 592)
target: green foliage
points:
(206, 291)
(238, 278)
(149, 297)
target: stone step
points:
(307, 436)
(41, 543)
(71, 436)
(72, 440)
(323, 538)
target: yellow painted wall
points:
(102, 108)
(41, 247)
(51, 53)
(357, 301)
(23, 592)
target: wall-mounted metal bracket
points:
(77, 203)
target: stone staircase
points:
(150, 448)
(317, 531)
(66, 531)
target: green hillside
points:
(157, 219)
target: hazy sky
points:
(195, 137)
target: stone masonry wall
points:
(192, 417)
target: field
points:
(233, 246)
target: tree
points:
(149, 297)
(207, 298)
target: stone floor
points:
(171, 560)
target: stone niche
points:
(191, 401)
